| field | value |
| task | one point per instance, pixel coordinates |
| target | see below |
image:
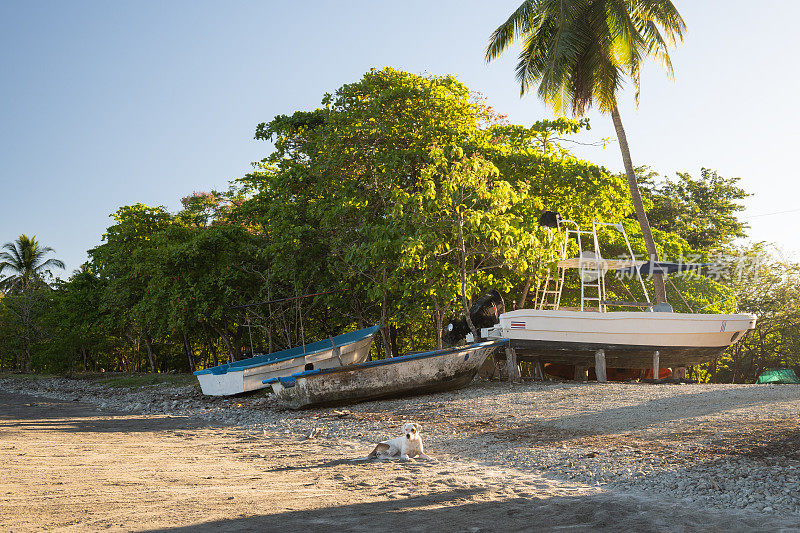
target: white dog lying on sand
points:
(403, 448)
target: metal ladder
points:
(551, 297)
(591, 271)
(592, 276)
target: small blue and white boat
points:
(249, 374)
(421, 373)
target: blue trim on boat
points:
(289, 380)
(291, 353)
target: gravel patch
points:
(720, 447)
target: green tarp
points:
(783, 375)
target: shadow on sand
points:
(463, 510)
(19, 410)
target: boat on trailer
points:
(248, 374)
(434, 371)
(591, 335)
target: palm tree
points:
(24, 261)
(580, 51)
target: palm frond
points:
(12, 255)
(521, 21)
(663, 13)
(579, 52)
(656, 45)
(51, 263)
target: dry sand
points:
(78, 456)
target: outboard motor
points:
(549, 219)
(485, 313)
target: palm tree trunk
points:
(641, 215)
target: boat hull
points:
(628, 339)
(227, 380)
(400, 376)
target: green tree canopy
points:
(702, 210)
(408, 191)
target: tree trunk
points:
(150, 357)
(524, 295)
(269, 333)
(714, 370)
(210, 348)
(359, 314)
(437, 319)
(231, 351)
(641, 215)
(189, 355)
(464, 301)
(204, 353)
(138, 344)
(387, 345)
(393, 340)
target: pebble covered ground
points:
(722, 447)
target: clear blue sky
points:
(104, 104)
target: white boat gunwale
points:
(246, 375)
(292, 353)
(616, 315)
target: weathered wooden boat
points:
(249, 374)
(421, 373)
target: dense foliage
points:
(400, 199)
(702, 210)
(769, 287)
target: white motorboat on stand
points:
(591, 335)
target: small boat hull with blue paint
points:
(248, 374)
(421, 373)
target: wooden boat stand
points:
(581, 370)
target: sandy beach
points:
(78, 455)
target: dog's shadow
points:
(312, 466)
(340, 462)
